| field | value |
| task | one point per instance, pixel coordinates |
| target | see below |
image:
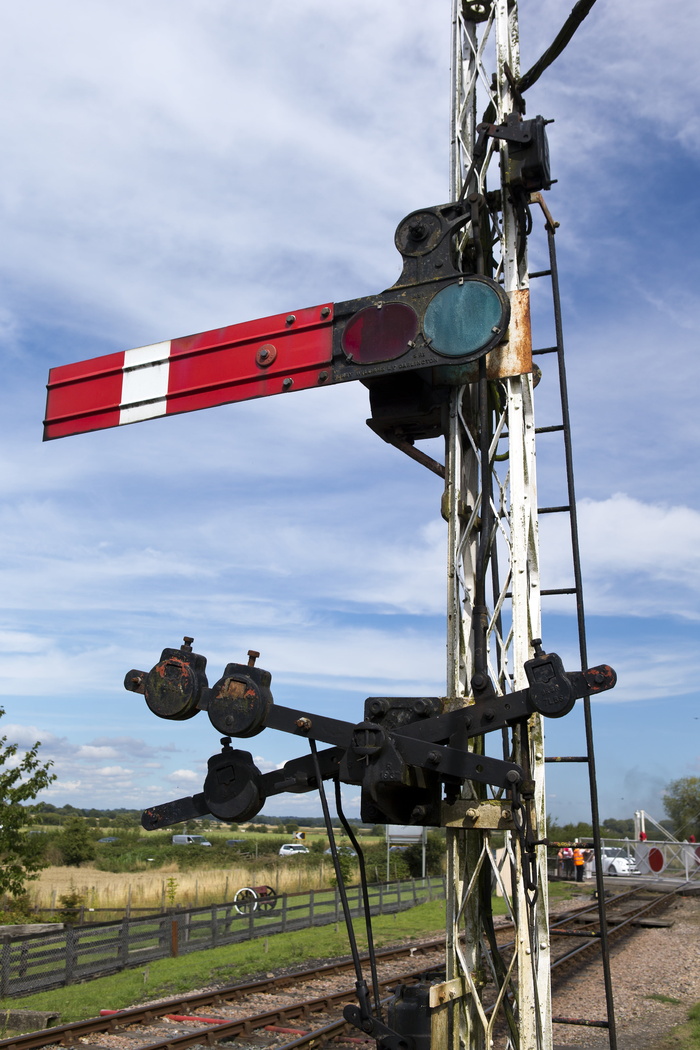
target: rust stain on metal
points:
(514, 357)
(232, 690)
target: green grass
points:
(684, 1036)
(658, 998)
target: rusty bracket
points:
(487, 815)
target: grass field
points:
(153, 889)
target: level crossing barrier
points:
(661, 858)
(78, 953)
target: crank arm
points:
(182, 809)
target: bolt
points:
(263, 353)
(325, 311)
(598, 678)
(290, 319)
(252, 657)
(187, 647)
(479, 681)
(495, 329)
(434, 758)
(472, 813)
(322, 377)
(137, 679)
(512, 776)
(304, 724)
(418, 231)
(489, 715)
(420, 707)
(505, 814)
(287, 383)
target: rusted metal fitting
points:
(304, 724)
(252, 657)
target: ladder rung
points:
(546, 350)
(541, 273)
(581, 1021)
(552, 510)
(549, 430)
(552, 590)
(568, 758)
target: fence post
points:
(381, 898)
(70, 953)
(174, 937)
(214, 926)
(5, 965)
(284, 912)
(415, 895)
(311, 908)
(123, 951)
(251, 922)
(337, 906)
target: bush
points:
(75, 843)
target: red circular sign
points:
(656, 859)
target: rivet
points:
(325, 311)
(287, 383)
(290, 319)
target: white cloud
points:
(639, 558)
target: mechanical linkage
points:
(408, 755)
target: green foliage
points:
(682, 803)
(71, 903)
(617, 829)
(76, 843)
(291, 828)
(434, 856)
(171, 891)
(345, 864)
(557, 832)
(21, 779)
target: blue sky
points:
(173, 169)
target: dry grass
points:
(149, 889)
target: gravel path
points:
(653, 962)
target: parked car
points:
(235, 842)
(190, 840)
(109, 838)
(343, 851)
(616, 861)
(290, 849)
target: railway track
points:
(304, 1008)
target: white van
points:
(190, 840)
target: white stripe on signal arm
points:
(145, 382)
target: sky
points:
(170, 169)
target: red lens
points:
(380, 333)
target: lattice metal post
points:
(521, 1013)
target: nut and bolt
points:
(434, 758)
(322, 377)
(187, 644)
(506, 814)
(304, 724)
(290, 319)
(287, 383)
(472, 813)
(325, 311)
(263, 353)
(252, 657)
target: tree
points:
(75, 842)
(682, 803)
(21, 779)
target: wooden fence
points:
(79, 953)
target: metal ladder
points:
(564, 428)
